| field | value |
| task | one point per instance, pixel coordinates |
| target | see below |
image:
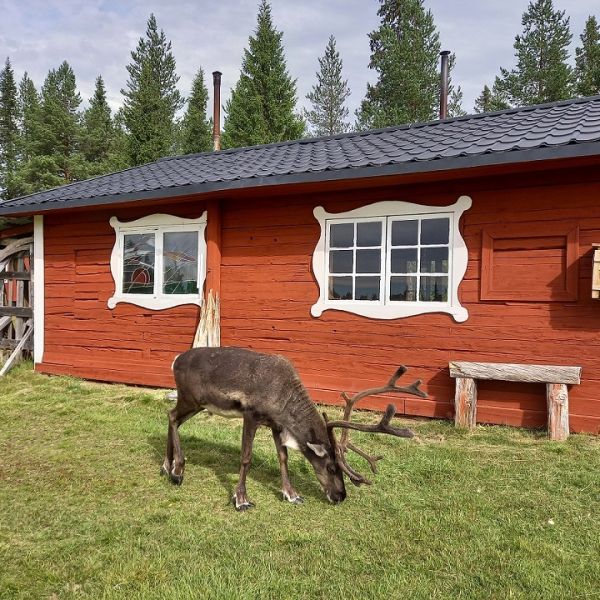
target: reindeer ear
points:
(318, 449)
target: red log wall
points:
(267, 290)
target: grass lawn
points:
(494, 513)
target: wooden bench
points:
(555, 378)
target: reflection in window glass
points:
(180, 263)
(435, 231)
(341, 235)
(404, 260)
(368, 234)
(340, 288)
(405, 233)
(341, 261)
(403, 289)
(368, 261)
(433, 289)
(367, 288)
(434, 260)
(138, 263)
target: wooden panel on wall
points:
(530, 262)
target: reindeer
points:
(266, 390)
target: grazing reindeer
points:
(266, 390)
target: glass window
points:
(355, 260)
(138, 263)
(180, 262)
(391, 259)
(158, 261)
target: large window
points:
(391, 259)
(158, 261)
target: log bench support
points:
(556, 380)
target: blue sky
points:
(96, 37)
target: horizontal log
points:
(516, 372)
(16, 311)
(21, 275)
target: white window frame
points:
(387, 212)
(157, 224)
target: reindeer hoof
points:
(176, 479)
(243, 506)
(293, 499)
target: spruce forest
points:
(50, 137)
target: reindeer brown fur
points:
(266, 390)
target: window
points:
(391, 259)
(158, 261)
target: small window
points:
(391, 259)
(158, 261)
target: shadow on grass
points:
(224, 460)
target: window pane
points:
(340, 288)
(368, 234)
(403, 289)
(341, 261)
(180, 263)
(404, 260)
(367, 288)
(433, 289)
(434, 260)
(405, 233)
(138, 264)
(435, 231)
(368, 261)
(341, 235)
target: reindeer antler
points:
(382, 427)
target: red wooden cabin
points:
(464, 239)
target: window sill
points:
(390, 311)
(154, 302)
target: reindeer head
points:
(341, 447)
(323, 458)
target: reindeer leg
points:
(174, 463)
(289, 493)
(248, 432)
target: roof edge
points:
(534, 155)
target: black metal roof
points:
(561, 129)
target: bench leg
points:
(557, 396)
(465, 402)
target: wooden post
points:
(465, 402)
(213, 249)
(557, 396)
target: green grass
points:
(493, 513)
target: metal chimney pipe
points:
(444, 76)
(217, 110)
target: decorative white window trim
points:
(382, 309)
(156, 223)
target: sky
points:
(97, 36)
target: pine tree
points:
(542, 73)
(30, 113)
(9, 132)
(98, 132)
(404, 52)
(262, 104)
(587, 60)
(329, 114)
(196, 129)
(151, 97)
(52, 152)
(490, 100)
